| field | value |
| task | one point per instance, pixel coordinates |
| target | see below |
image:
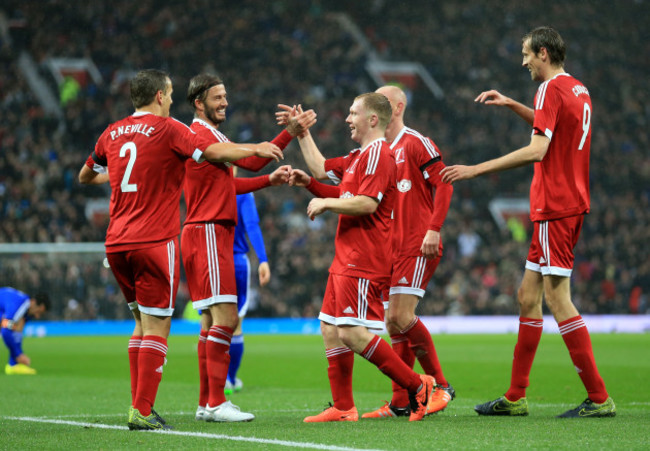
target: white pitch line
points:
(188, 412)
(236, 438)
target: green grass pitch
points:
(80, 398)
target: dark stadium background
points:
(313, 53)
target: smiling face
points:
(358, 120)
(532, 61)
(215, 104)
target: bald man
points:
(417, 249)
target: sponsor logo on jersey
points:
(399, 155)
(403, 281)
(404, 185)
(348, 311)
(346, 195)
(351, 169)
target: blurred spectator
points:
(290, 52)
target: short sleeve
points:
(335, 167)
(547, 106)
(185, 142)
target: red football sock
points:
(218, 359)
(339, 371)
(424, 350)
(380, 354)
(204, 386)
(151, 359)
(530, 332)
(401, 347)
(577, 340)
(134, 349)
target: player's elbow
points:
(538, 148)
(537, 155)
(85, 176)
(367, 205)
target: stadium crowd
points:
(297, 52)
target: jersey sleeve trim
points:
(99, 161)
(22, 310)
(333, 177)
(429, 163)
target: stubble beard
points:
(212, 116)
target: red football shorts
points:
(551, 248)
(148, 277)
(351, 301)
(411, 275)
(209, 265)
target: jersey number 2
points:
(125, 185)
(586, 123)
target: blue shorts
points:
(243, 279)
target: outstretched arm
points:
(533, 152)
(278, 177)
(494, 97)
(219, 152)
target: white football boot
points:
(227, 413)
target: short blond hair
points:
(376, 103)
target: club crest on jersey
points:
(346, 195)
(404, 185)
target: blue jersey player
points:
(16, 308)
(248, 224)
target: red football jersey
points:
(560, 186)
(145, 155)
(209, 187)
(419, 163)
(363, 243)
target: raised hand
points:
(300, 121)
(282, 117)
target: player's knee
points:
(348, 336)
(391, 328)
(398, 320)
(329, 332)
(226, 317)
(527, 301)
